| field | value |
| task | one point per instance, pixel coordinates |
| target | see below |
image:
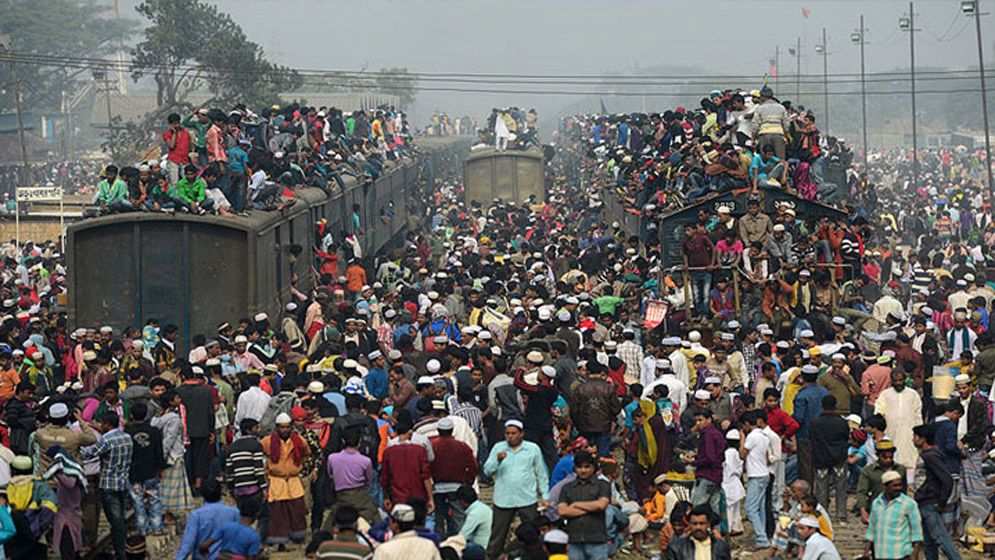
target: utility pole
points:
(858, 37)
(907, 23)
(798, 70)
(973, 7)
(824, 50)
(8, 45)
(102, 76)
(796, 52)
(777, 68)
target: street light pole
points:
(973, 7)
(908, 23)
(858, 37)
(824, 50)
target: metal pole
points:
(798, 71)
(863, 91)
(825, 80)
(25, 171)
(20, 116)
(62, 219)
(107, 88)
(777, 68)
(984, 97)
(912, 73)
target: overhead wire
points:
(114, 64)
(515, 87)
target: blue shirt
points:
(563, 469)
(808, 405)
(338, 400)
(376, 383)
(629, 409)
(237, 158)
(762, 167)
(520, 478)
(946, 441)
(201, 524)
(236, 538)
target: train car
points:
(671, 224)
(198, 271)
(510, 175)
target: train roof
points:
(258, 220)
(490, 151)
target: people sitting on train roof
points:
(733, 140)
(236, 162)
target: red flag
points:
(773, 69)
(806, 12)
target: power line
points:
(83, 62)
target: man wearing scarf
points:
(286, 451)
(960, 338)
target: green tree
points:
(190, 44)
(396, 81)
(55, 29)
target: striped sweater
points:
(245, 464)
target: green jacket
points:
(191, 192)
(108, 193)
(200, 138)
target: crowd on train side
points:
(232, 163)
(527, 379)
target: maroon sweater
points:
(454, 461)
(404, 472)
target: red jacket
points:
(404, 472)
(782, 424)
(454, 461)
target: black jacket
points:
(20, 418)
(830, 436)
(977, 424)
(683, 549)
(935, 490)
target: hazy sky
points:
(596, 36)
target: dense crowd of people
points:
(498, 387)
(231, 163)
(441, 124)
(510, 128)
(74, 176)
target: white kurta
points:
(902, 411)
(679, 365)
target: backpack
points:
(282, 402)
(369, 437)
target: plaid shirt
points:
(632, 354)
(894, 526)
(114, 450)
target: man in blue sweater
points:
(808, 406)
(203, 521)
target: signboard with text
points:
(39, 194)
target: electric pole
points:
(858, 37)
(824, 50)
(973, 7)
(908, 23)
(8, 46)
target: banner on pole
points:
(656, 312)
(39, 194)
